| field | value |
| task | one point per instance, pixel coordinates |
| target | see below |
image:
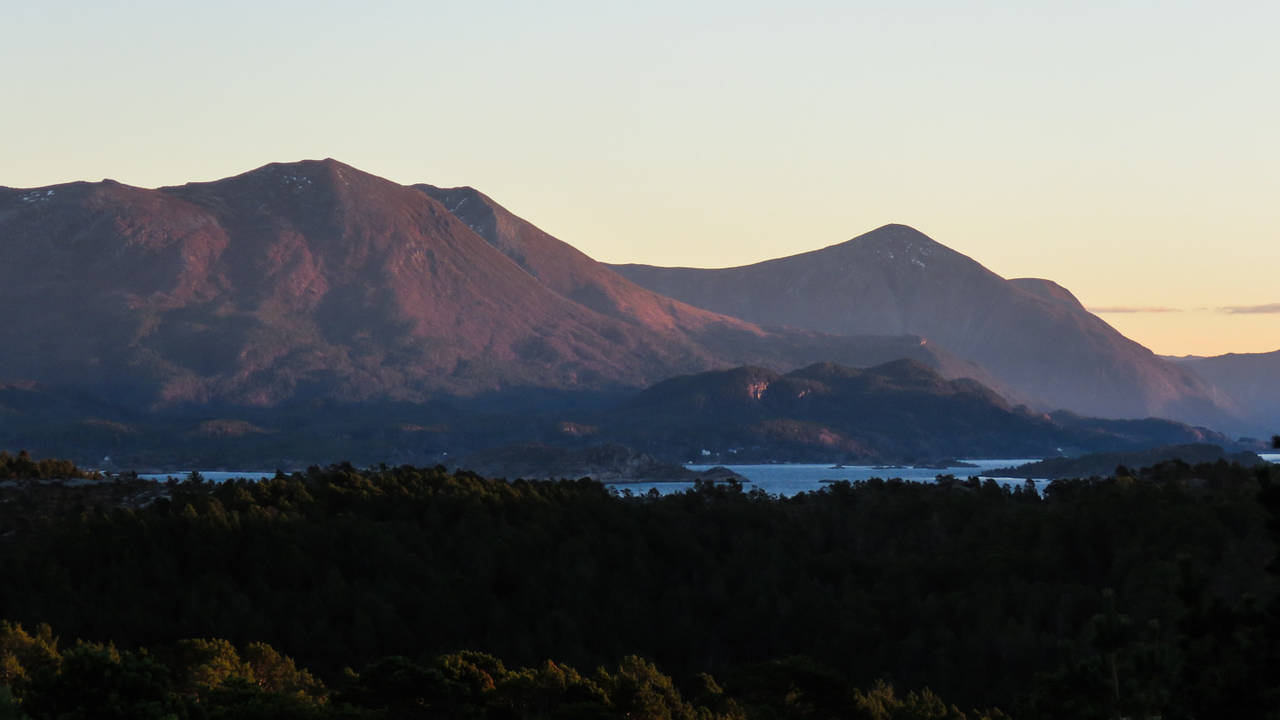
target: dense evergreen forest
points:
(23, 466)
(403, 591)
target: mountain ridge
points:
(1030, 334)
(313, 278)
(1252, 380)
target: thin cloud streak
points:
(1270, 309)
(1133, 309)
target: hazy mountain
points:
(1031, 334)
(314, 279)
(1252, 380)
(900, 411)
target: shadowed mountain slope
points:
(1030, 334)
(571, 273)
(314, 279)
(1252, 380)
(900, 411)
(563, 268)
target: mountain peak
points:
(295, 177)
(897, 230)
(307, 165)
(894, 244)
(894, 233)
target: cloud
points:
(1133, 309)
(1273, 308)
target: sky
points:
(1128, 150)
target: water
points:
(211, 475)
(777, 479)
(789, 479)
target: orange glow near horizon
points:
(1124, 151)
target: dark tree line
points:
(1150, 593)
(214, 679)
(22, 466)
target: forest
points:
(420, 592)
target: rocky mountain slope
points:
(314, 279)
(1030, 334)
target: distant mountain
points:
(317, 280)
(1030, 334)
(1252, 380)
(899, 411)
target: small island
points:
(609, 463)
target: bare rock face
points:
(1032, 335)
(314, 279)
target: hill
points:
(901, 411)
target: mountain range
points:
(239, 309)
(314, 279)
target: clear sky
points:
(1128, 150)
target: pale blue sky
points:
(1127, 150)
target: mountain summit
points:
(1031, 334)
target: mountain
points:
(899, 411)
(572, 274)
(317, 280)
(561, 267)
(1252, 380)
(1030, 334)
